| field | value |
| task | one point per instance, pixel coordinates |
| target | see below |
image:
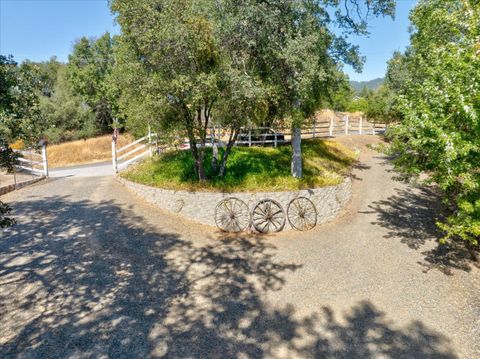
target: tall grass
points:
(249, 169)
(95, 149)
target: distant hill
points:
(372, 84)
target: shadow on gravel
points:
(411, 216)
(358, 167)
(79, 279)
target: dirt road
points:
(92, 271)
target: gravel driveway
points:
(91, 271)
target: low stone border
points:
(13, 187)
(200, 206)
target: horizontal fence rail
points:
(120, 158)
(33, 162)
(337, 124)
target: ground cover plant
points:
(250, 169)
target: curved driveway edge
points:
(91, 270)
(13, 187)
(200, 206)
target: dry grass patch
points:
(97, 149)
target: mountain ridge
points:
(371, 84)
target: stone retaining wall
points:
(200, 206)
(13, 187)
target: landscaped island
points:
(251, 169)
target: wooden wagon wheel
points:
(268, 216)
(232, 215)
(302, 214)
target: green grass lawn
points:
(258, 169)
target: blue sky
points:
(38, 29)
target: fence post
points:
(249, 138)
(314, 123)
(275, 139)
(150, 153)
(361, 123)
(373, 128)
(114, 157)
(31, 163)
(44, 159)
(346, 125)
(330, 130)
(15, 176)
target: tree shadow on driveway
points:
(83, 279)
(411, 216)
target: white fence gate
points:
(138, 149)
(33, 161)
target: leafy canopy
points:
(20, 116)
(439, 97)
(88, 71)
(185, 62)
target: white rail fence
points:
(337, 125)
(33, 161)
(121, 158)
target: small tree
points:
(440, 103)
(88, 69)
(8, 159)
(246, 61)
(185, 69)
(381, 106)
(300, 55)
(20, 115)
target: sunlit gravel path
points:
(91, 271)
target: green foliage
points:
(65, 113)
(4, 220)
(45, 75)
(20, 116)
(250, 169)
(342, 97)
(381, 106)
(245, 62)
(172, 73)
(88, 71)
(358, 104)
(439, 96)
(8, 159)
(398, 73)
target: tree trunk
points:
(296, 152)
(196, 152)
(214, 157)
(200, 169)
(214, 152)
(231, 142)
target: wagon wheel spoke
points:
(277, 212)
(276, 224)
(311, 217)
(266, 226)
